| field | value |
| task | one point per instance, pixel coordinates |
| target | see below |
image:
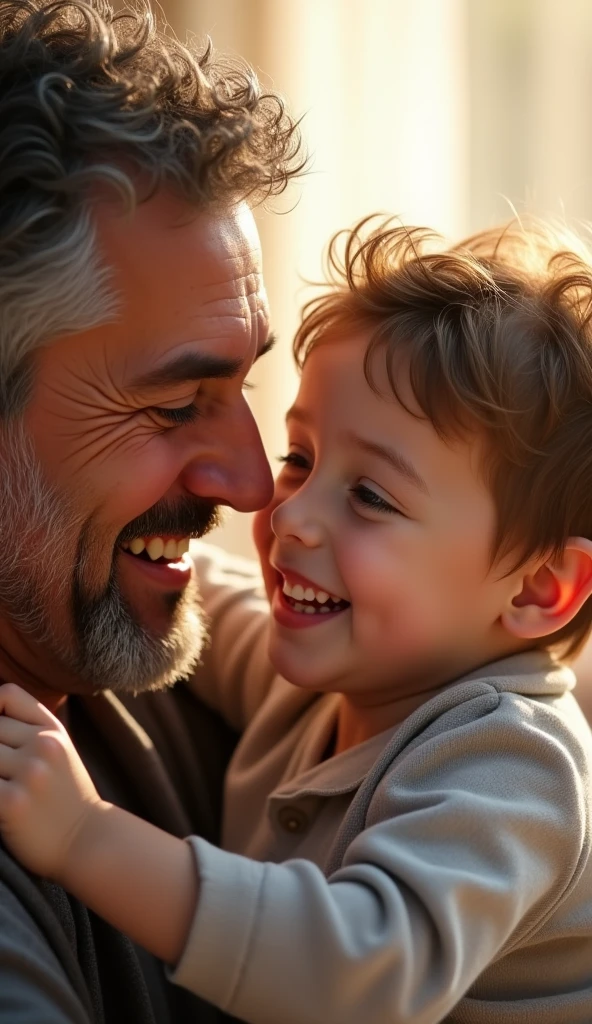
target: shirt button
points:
(292, 819)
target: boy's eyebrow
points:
(195, 366)
(394, 459)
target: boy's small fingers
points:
(12, 800)
(8, 762)
(14, 733)
(17, 703)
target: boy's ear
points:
(554, 594)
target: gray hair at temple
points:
(91, 99)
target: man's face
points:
(140, 429)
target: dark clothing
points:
(161, 756)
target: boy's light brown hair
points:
(498, 335)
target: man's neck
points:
(24, 662)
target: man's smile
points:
(161, 560)
(167, 549)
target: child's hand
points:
(46, 793)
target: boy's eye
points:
(294, 459)
(178, 416)
(362, 495)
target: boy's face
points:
(374, 508)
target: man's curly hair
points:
(91, 98)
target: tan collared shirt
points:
(438, 872)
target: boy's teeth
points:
(298, 594)
(156, 547)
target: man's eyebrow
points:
(397, 461)
(191, 366)
(188, 366)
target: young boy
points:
(408, 814)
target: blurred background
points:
(449, 113)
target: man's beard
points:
(104, 646)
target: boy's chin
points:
(301, 671)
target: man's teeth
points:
(156, 547)
(300, 594)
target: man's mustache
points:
(187, 517)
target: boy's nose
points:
(297, 520)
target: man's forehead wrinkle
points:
(225, 289)
(238, 307)
(248, 255)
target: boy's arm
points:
(467, 846)
(235, 674)
(53, 820)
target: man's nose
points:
(232, 469)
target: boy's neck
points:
(364, 715)
(357, 723)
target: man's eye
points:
(179, 416)
(293, 459)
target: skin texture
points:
(424, 606)
(189, 285)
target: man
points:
(131, 311)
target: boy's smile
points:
(374, 508)
(299, 603)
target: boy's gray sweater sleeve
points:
(34, 988)
(469, 842)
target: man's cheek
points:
(126, 476)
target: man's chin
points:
(134, 649)
(152, 591)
